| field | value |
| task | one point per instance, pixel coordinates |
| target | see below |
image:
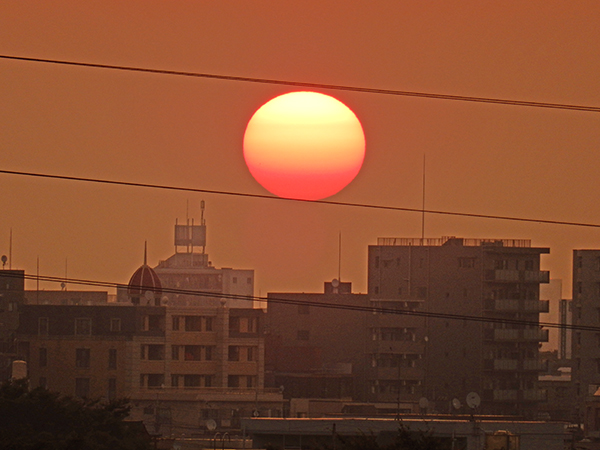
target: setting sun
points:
(304, 145)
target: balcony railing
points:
(514, 334)
(515, 276)
(535, 395)
(505, 395)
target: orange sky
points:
(481, 158)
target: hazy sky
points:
(149, 128)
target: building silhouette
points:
(455, 281)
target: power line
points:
(462, 98)
(322, 202)
(319, 304)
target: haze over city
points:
(182, 131)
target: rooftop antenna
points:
(145, 253)
(38, 280)
(66, 266)
(340, 257)
(423, 204)
(10, 251)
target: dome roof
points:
(143, 280)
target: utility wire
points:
(463, 98)
(316, 304)
(322, 202)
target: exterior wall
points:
(12, 284)
(552, 292)
(65, 297)
(457, 277)
(586, 313)
(315, 351)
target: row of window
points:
(155, 322)
(82, 387)
(157, 380)
(156, 352)
(391, 360)
(394, 334)
(82, 327)
(82, 358)
(463, 263)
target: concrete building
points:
(586, 313)
(317, 343)
(12, 285)
(476, 293)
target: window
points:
(377, 262)
(153, 352)
(208, 353)
(501, 264)
(234, 353)
(376, 289)
(112, 358)
(248, 280)
(175, 352)
(303, 335)
(82, 387)
(208, 324)
(529, 264)
(175, 323)
(251, 354)
(83, 326)
(43, 357)
(234, 280)
(233, 381)
(115, 325)
(112, 389)
(152, 380)
(193, 323)
(193, 353)
(154, 322)
(466, 263)
(174, 380)
(191, 380)
(82, 358)
(43, 326)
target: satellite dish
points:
(456, 403)
(423, 403)
(149, 295)
(211, 424)
(335, 283)
(255, 413)
(473, 400)
(4, 259)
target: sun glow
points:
(304, 145)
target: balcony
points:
(535, 335)
(542, 306)
(502, 395)
(517, 276)
(535, 395)
(514, 334)
(535, 365)
(501, 364)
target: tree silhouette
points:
(40, 419)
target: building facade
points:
(482, 303)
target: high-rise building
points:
(482, 303)
(586, 313)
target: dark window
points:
(208, 353)
(175, 352)
(193, 323)
(208, 324)
(251, 354)
(175, 323)
(155, 380)
(115, 325)
(193, 353)
(233, 381)
(191, 380)
(82, 358)
(377, 262)
(112, 358)
(234, 280)
(153, 352)
(248, 280)
(175, 380)
(112, 388)
(303, 335)
(83, 326)
(154, 322)
(43, 357)
(82, 387)
(529, 264)
(234, 353)
(43, 326)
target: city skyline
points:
(159, 129)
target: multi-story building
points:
(317, 343)
(586, 342)
(482, 303)
(12, 285)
